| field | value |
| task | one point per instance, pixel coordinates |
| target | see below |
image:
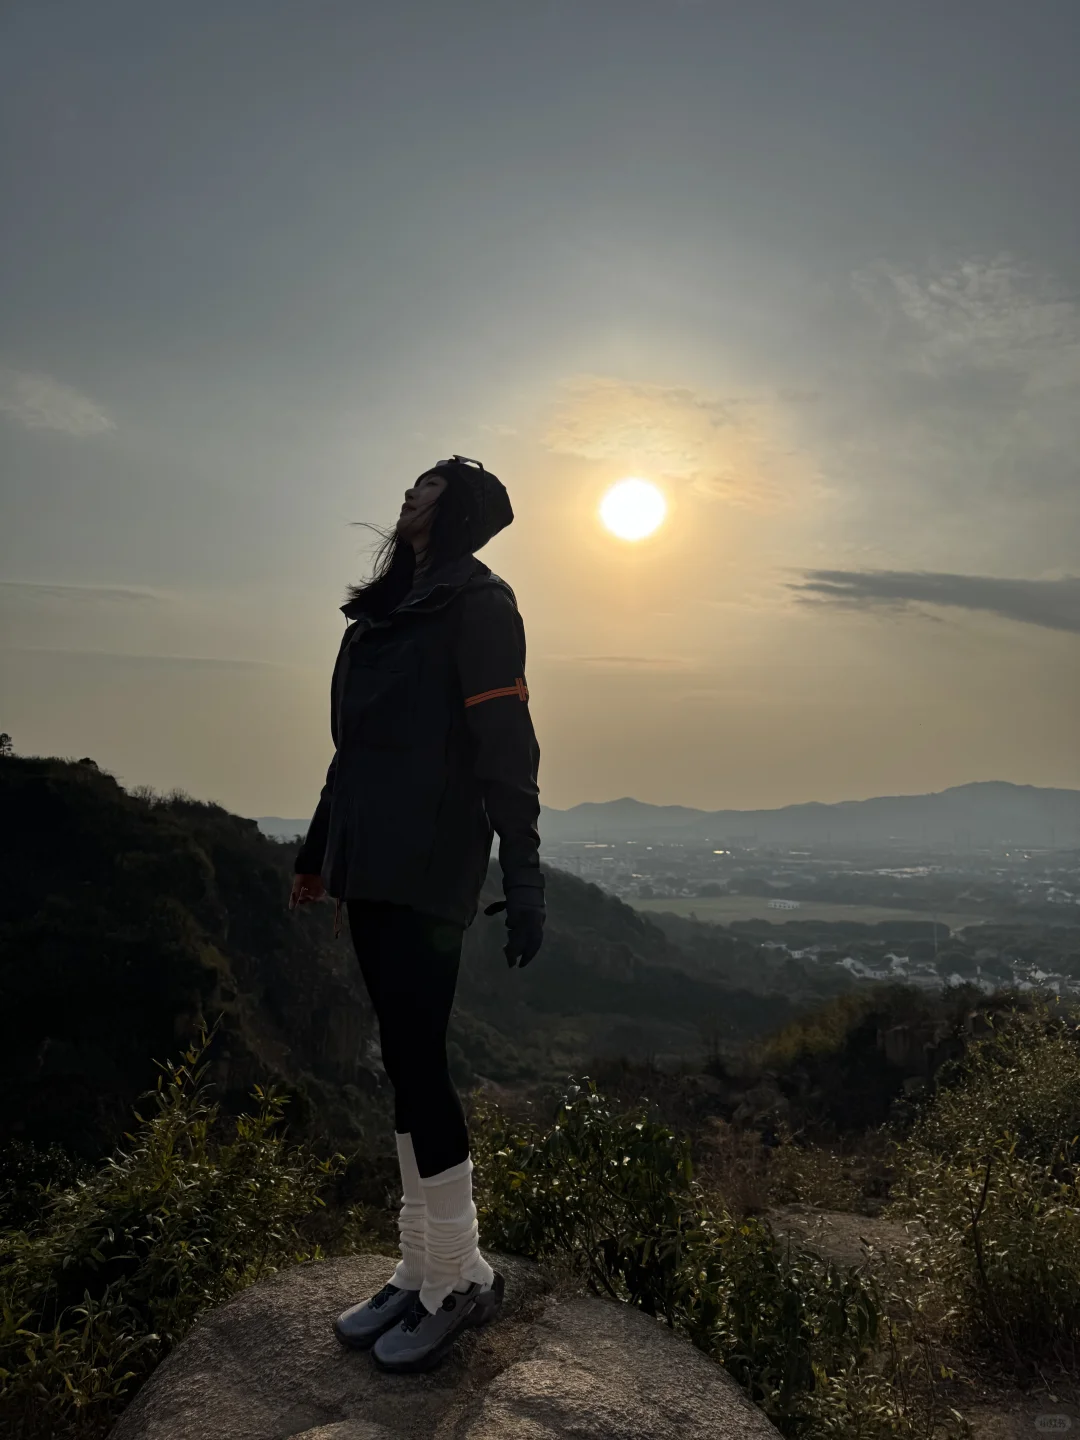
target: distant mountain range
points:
(986, 813)
(989, 812)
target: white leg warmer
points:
(452, 1260)
(409, 1274)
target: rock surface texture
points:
(267, 1367)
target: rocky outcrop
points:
(266, 1367)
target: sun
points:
(633, 509)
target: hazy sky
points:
(814, 269)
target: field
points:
(723, 909)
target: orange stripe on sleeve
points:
(519, 688)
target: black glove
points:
(525, 916)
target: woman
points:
(434, 749)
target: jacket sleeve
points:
(309, 858)
(491, 668)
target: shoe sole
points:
(482, 1311)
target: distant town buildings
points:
(958, 903)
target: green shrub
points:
(823, 1030)
(1022, 1078)
(114, 1272)
(612, 1198)
(30, 1175)
(991, 1172)
(832, 1068)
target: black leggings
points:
(409, 962)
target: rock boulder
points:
(267, 1367)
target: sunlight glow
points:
(633, 509)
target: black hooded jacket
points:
(435, 750)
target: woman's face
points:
(418, 510)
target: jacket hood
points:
(487, 504)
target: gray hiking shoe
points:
(361, 1325)
(422, 1339)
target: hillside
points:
(132, 920)
(135, 917)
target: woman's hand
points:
(525, 916)
(305, 889)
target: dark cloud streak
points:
(131, 658)
(34, 590)
(1052, 604)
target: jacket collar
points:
(435, 590)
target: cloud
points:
(651, 662)
(41, 403)
(953, 386)
(133, 659)
(1053, 604)
(982, 371)
(725, 449)
(32, 590)
(979, 314)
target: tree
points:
(957, 962)
(6, 747)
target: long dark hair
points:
(394, 565)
